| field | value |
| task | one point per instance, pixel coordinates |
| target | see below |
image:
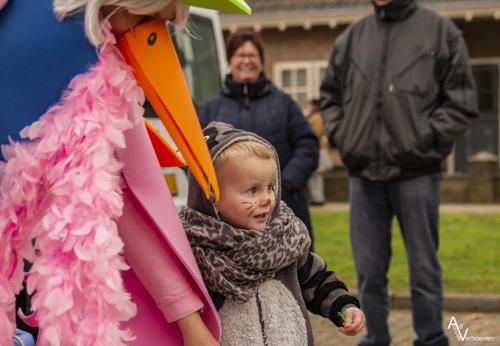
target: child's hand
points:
(354, 321)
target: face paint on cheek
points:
(251, 207)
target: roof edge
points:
(335, 17)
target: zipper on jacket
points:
(382, 13)
(261, 319)
(245, 93)
(383, 68)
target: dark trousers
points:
(415, 203)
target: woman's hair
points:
(246, 148)
(93, 18)
(239, 38)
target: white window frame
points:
(313, 79)
(478, 61)
(313, 82)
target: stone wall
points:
(480, 185)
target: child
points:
(254, 253)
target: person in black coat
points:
(397, 93)
(251, 102)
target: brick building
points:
(299, 36)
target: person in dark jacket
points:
(397, 93)
(249, 101)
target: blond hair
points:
(244, 149)
(93, 18)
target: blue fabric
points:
(27, 338)
(38, 58)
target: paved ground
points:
(478, 325)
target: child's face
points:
(247, 191)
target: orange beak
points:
(151, 53)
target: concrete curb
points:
(456, 302)
(444, 207)
(452, 302)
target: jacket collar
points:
(396, 10)
(247, 91)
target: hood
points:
(396, 10)
(218, 137)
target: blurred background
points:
(299, 36)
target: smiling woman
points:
(251, 102)
(246, 64)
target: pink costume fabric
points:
(63, 188)
(172, 293)
(147, 184)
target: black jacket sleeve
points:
(458, 108)
(323, 292)
(331, 92)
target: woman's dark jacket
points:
(263, 109)
(397, 93)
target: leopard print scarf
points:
(235, 262)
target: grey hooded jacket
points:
(281, 303)
(397, 92)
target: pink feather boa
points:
(62, 188)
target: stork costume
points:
(79, 170)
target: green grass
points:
(469, 251)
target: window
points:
(300, 79)
(484, 135)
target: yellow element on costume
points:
(238, 6)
